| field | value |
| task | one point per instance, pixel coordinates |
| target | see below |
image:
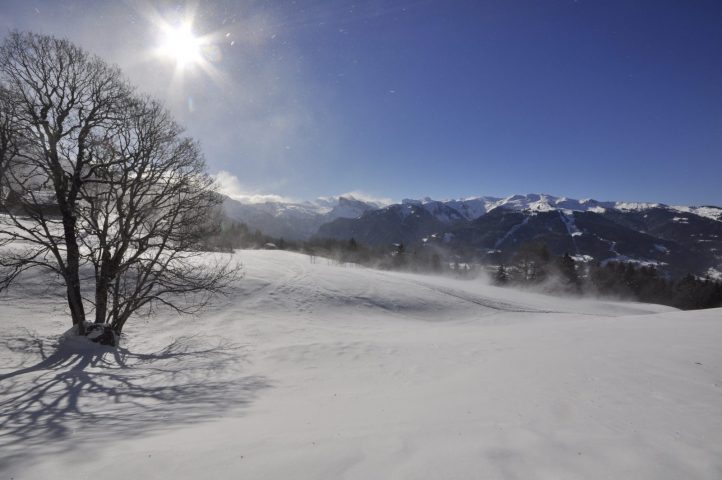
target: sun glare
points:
(192, 54)
(180, 44)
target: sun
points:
(193, 55)
(179, 43)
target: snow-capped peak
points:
(471, 208)
(349, 207)
(707, 211)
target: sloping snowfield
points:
(321, 371)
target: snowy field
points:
(320, 371)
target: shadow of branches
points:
(76, 394)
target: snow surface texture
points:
(314, 370)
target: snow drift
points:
(317, 370)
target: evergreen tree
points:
(502, 276)
(532, 260)
(568, 270)
(436, 262)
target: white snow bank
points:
(322, 371)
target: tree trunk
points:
(102, 287)
(119, 323)
(72, 274)
(101, 299)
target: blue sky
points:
(615, 100)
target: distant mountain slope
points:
(675, 239)
(295, 221)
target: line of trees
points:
(645, 284)
(534, 265)
(95, 177)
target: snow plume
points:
(228, 184)
(358, 372)
(369, 198)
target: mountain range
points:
(675, 239)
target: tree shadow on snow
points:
(73, 395)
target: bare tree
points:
(146, 214)
(8, 136)
(63, 97)
(101, 178)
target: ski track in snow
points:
(612, 250)
(317, 370)
(572, 229)
(511, 232)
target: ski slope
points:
(324, 371)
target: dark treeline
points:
(226, 235)
(418, 259)
(646, 285)
(533, 265)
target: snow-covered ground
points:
(315, 370)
